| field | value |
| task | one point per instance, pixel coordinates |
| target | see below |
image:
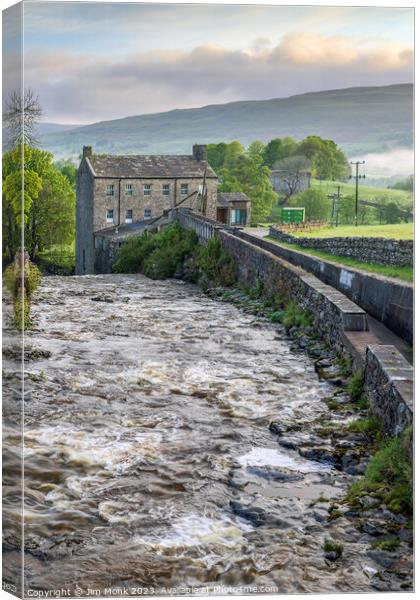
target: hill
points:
(363, 119)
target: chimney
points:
(200, 152)
(87, 151)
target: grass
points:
(367, 192)
(331, 546)
(389, 545)
(389, 476)
(404, 273)
(397, 231)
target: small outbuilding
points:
(233, 208)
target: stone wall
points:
(388, 300)
(85, 257)
(138, 202)
(377, 250)
(389, 387)
(332, 312)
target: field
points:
(399, 231)
(366, 192)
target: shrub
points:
(215, 265)
(294, 316)
(156, 255)
(356, 385)
(22, 298)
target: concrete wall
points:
(388, 300)
(377, 250)
(85, 255)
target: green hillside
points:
(364, 119)
(402, 198)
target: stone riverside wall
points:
(389, 387)
(388, 376)
(376, 250)
(388, 300)
(333, 313)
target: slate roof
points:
(225, 199)
(149, 167)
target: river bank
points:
(174, 440)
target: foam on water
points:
(271, 457)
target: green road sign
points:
(292, 215)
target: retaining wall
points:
(366, 249)
(388, 376)
(389, 301)
(389, 387)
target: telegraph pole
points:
(336, 205)
(357, 177)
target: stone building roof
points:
(149, 167)
(225, 199)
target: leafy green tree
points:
(256, 151)
(316, 204)
(392, 213)
(245, 172)
(278, 149)
(49, 202)
(68, 169)
(328, 161)
(216, 154)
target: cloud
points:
(82, 88)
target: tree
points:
(216, 154)
(292, 170)
(316, 204)
(328, 161)
(279, 148)
(68, 169)
(244, 171)
(406, 184)
(392, 213)
(49, 202)
(21, 117)
(256, 151)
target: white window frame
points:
(149, 210)
(147, 189)
(129, 219)
(128, 189)
(185, 186)
(109, 219)
(110, 189)
(166, 189)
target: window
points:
(128, 189)
(184, 189)
(110, 189)
(165, 189)
(147, 189)
(147, 213)
(110, 215)
(129, 215)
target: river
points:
(149, 464)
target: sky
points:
(91, 62)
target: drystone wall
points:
(366, 249)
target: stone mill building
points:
(117, 192)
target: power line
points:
(357, 177)
(335, 209)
